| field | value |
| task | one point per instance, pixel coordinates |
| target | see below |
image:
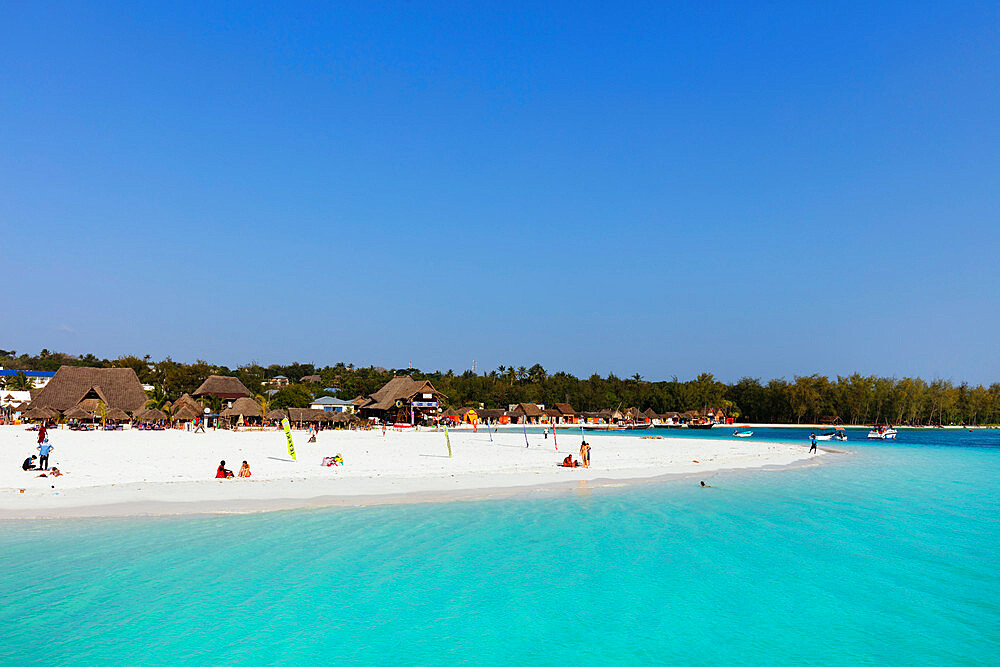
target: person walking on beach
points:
(813, 448)
(42, 433)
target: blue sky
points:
(726, 187)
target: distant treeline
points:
(854, 399)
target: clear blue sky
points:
(629, 188)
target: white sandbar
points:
(128, 473)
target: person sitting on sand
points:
(55, 472)
(244, 470)
(568, 462)
(222, 472)
(29, 463)
(338, 460)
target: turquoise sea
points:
(887, 555)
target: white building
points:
(330, 404)
(38, 379)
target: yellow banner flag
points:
(288, 437)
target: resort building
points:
(224, 387)
(38, 379)
(565, 413)
(493, 416)
(278, 381)
(526, 413)
(311, 379)
(331, 404)
(404, 400)
(244, 410)
(89, 387)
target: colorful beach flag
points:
(447, 440)
(288, 436)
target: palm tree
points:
(157, 400)
(102, 411)
(265, 404)
(19, 382)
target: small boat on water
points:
(742, 434)
(637, 427)
(882, 433)
(700, 424)
(837, 434)
(602, 427)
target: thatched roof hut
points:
(242, 407)
(402, 388)
(77, 412)
(344, 417)
(42, 412)
(183, 412)
(71, 385)
(527, 410)
(116, 415)
(152, 415)
(565, 409)
(276, 415)
(491, 414)
(300, 415)
(222, 386)
(651, 414)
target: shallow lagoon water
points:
(885, 555)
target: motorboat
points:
(742, 434)
(700, 424)
(837, 434)
(882, 433)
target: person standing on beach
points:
(43, 454)
(813, 448)
(585, 454)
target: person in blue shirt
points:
(813, 448)
(43, 455)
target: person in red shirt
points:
(222, 472)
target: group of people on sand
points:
(584, 461)
(42, 458)
(222, 472)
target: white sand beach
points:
(123, 473)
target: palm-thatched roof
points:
(78, 412)
(41, 412)
(152, 415)
(345, 417)
(297, 415)
(401, 388)
(527, 409)
(222, 386)
(491, 413)
(186, 412)
(187, 400)
(651, 414)
(242, 407)
(565, 409)
(117, 387)
(116, 415)
(276, 415)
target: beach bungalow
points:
(567, 415)
(244, 408)
(493, 415)
(651, 416)
(331, 404)
(404, 400)
(81, 385)
(670, 418)
(526, 413)
(223, 386)
(279, 381)
(452, 415)
(468, 415)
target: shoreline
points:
(244, 506)
(145, 474)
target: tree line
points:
(853, 399)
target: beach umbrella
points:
(116, 415)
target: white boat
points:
(742, 434)
(838, 434)
(882, 433)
